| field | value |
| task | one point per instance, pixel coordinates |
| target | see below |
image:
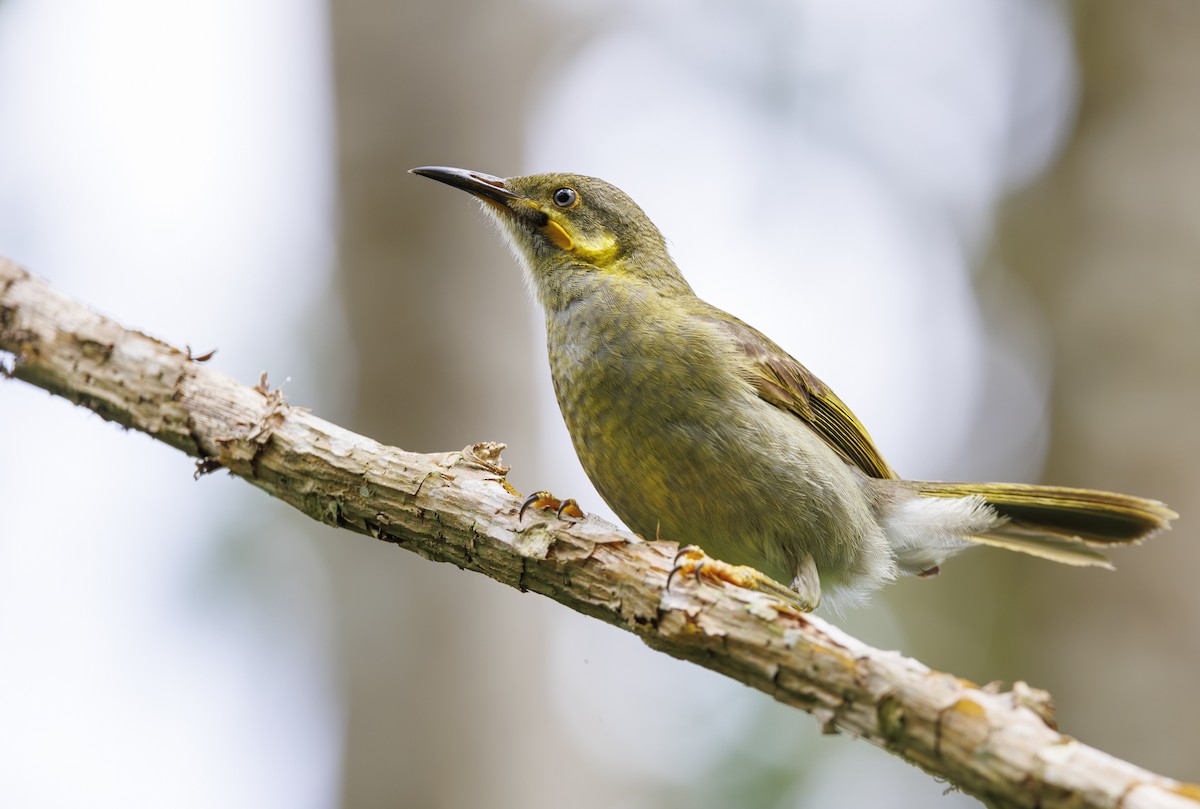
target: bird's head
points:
(562, 226)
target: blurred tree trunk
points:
(440, 324)
(1109, 242)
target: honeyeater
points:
(696, 427)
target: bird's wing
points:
(779, 379)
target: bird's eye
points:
(565, 197)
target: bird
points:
(696, 427)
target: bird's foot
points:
(544, 501)
(692, 560)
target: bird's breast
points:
(679, 445)
(660, 425)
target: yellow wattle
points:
(557, 235)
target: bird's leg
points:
(544, 501)
(691, 560)
(807, 583)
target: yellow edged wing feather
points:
(781, 380)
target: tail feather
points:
(1060, 523)
(1056, 549)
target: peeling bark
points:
(457, 507)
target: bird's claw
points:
(544, 501)
(692, 560)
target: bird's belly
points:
(748, 483)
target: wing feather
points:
(782, 381)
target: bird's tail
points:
(1057, 523)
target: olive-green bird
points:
(696, 427)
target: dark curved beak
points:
(481, 185)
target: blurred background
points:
(976, 221)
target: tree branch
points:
(456, 507)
